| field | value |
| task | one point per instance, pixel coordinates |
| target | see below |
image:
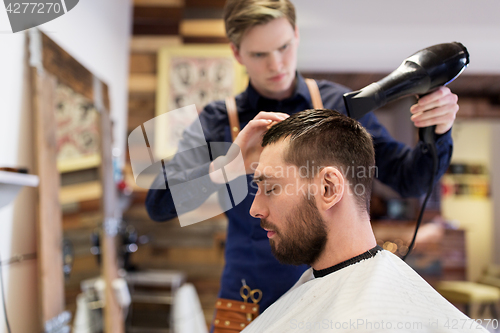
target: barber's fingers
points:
(447, 109)
(443, 123)
(254, 127)
(441, 97)
(274, 116)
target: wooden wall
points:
(197, 250)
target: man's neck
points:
(346, 243)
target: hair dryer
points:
(421, 73)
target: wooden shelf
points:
(151, 44)
(80, 192)
(202, 28)
(11, 183)
(142, 83)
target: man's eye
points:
(259, 55)
(269, 191)
(284, 47)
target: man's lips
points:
(270, 233)
(266, 225)
(277, 77)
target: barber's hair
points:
(320, 138)
(241, 15)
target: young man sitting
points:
(314, 177)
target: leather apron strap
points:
(232, 111)
(234, 121)
(314, 92)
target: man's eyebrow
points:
(258, 52)
(266, 52)
(261, 178)
(286, 43)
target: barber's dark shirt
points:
(248, 254)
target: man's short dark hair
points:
(322, 137)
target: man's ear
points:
(332, 183)
(236, 52)
(297, 35)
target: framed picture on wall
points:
(77, 134)
(187, 75)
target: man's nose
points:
(258, 209)
(275, 61)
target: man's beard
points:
(305, 236)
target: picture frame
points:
(77, 133)
(191, 74)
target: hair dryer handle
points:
(427, 134)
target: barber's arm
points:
(185, 166)
(194, 163)
(408, 171)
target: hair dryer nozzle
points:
(368, 98)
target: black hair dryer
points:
(421, 73)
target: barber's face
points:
(269, 53)
(296, 230)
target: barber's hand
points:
(438, 108)
(249, 142)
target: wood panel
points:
(205, 40)
(141, 108)
(165, 3)
(83, 218)
(49, 220)
(205, 3)
(156, 20)
(142, 83)
(157, 13)
(477, 108)
(105, 96)
(151, 44)
(114, 321)
(67, 70)
(477, 85)
(76, 193)
(203, 13)
(202, 28)
(142, 63)
(156, 29)
(141, 105)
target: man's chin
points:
(283, 259)
(280, 86)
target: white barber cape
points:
(380, 294)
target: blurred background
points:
(126, 44)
